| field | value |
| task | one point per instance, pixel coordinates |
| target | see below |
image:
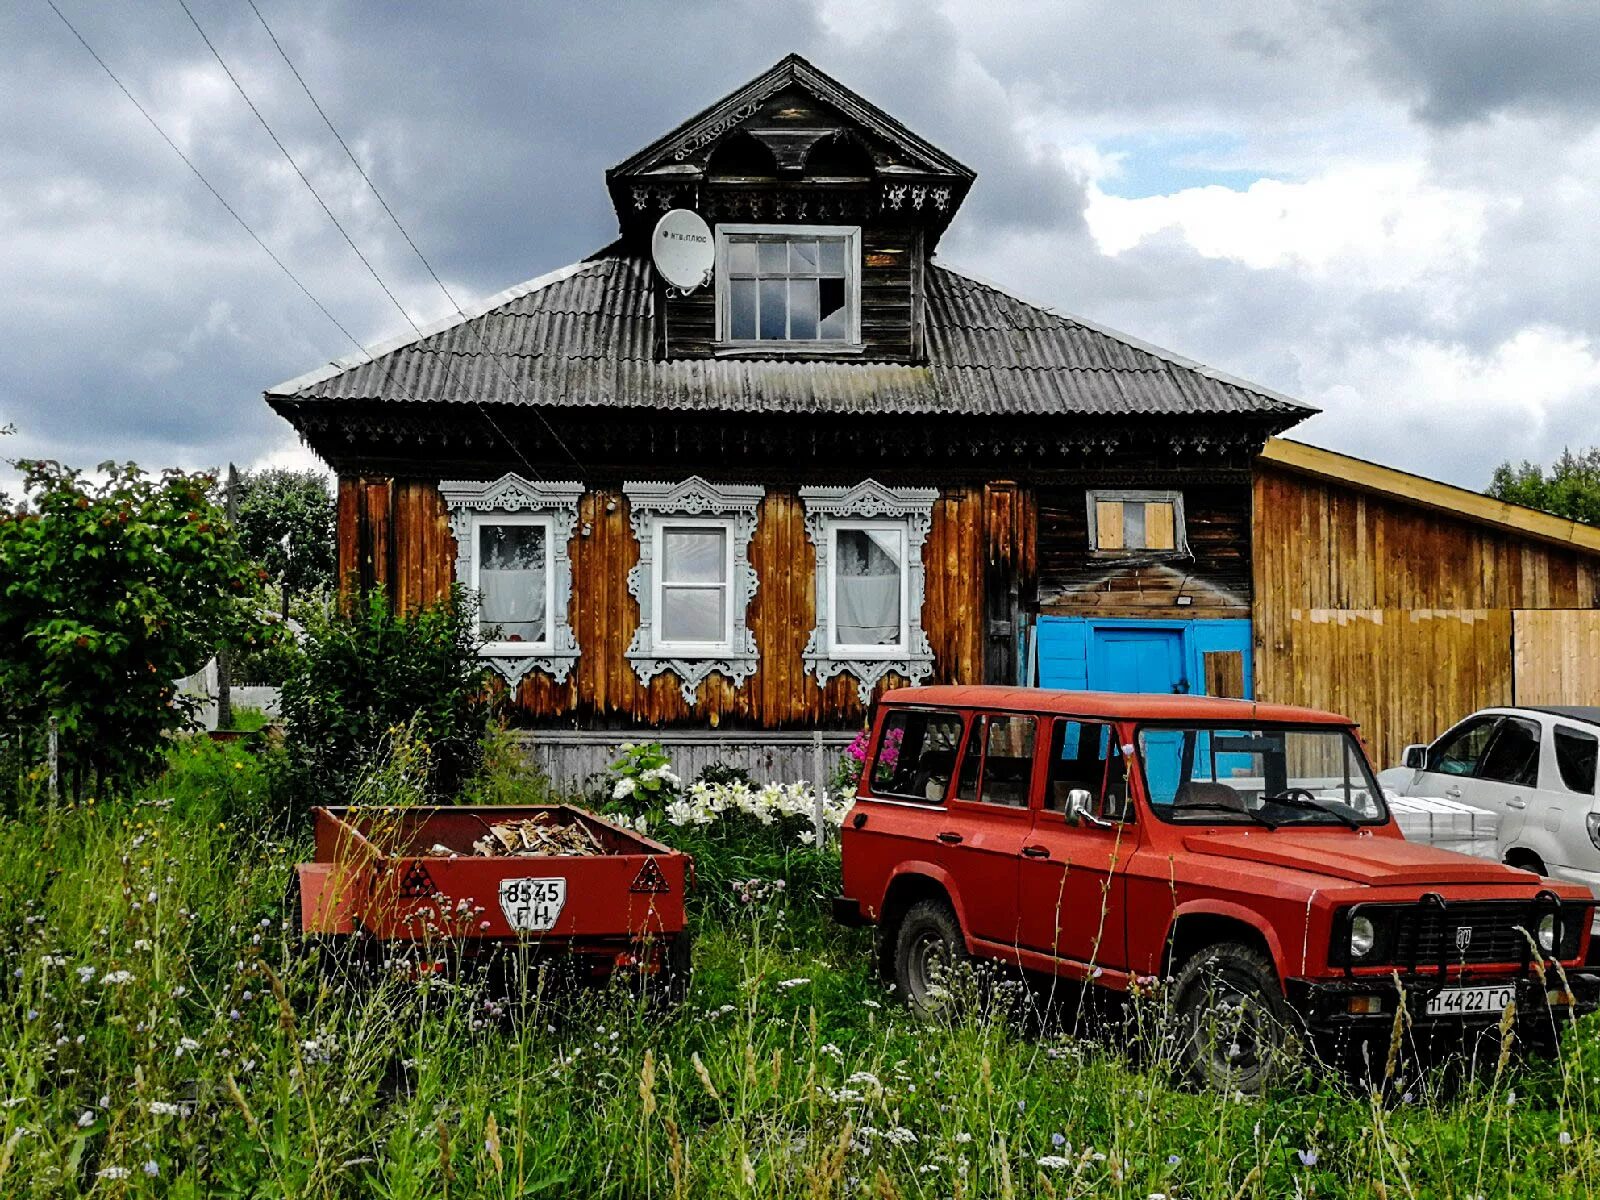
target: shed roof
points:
(1430, 493)
(582, 337)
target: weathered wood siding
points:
(395, 533)
(1557, 656)
(1072, 581)
(1393, 614)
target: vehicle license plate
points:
(1462, 1002)
(532, 905)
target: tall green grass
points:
(160, 1039)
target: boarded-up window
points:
(1136, 522)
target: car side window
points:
(1083, 754)
(1458, 753)
(997, 766)
(1576, 754)
(916, 754)
(1513, 754)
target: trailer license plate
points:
(1462, 1002)
(532, 905)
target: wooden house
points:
(731, 515)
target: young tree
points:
(286, 523)
(1571, 489)
(109, 592)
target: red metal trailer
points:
(392, 880)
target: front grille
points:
(1427, 935)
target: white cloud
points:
(1373, 224)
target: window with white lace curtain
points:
(867, 589)
(512, 577)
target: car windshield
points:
(1217, 775)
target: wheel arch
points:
(911, 882)
(1196, 926)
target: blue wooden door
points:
(1138, 660)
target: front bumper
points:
(1325, 1005)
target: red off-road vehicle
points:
(1241, 852)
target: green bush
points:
(366, 674)
(110, 591)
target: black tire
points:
(1234, 1030)
(1526, 860)
(670, 987)
(929, 950)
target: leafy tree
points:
(365, 674)
(286, 523)
(109, 592)
(1571, 489)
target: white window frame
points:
(1180, 535)
(852, 286)
(848, 650)
(534, 520)
(652, 507)
(869, 504)
(725, 525)
(513, 500)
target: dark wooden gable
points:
(795, 146)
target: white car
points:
(1534, 768)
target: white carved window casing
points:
(512, 539)
(870, 582)
(795, 286)
(693, 581)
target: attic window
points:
(795, 285)
(1137, 523)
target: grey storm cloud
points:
(1468, 62)
(140, 322)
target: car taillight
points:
(1593, 821)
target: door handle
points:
(1036, 851)
(1516, 802)
(1453, 792)
(949, 838)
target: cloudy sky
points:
(1387, 210)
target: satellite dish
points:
(682, 249)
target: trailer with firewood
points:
(515, 887)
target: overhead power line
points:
(516, 385)
(198, 174)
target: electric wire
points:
(516, 384)
(198, 174)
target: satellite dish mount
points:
(683, 250)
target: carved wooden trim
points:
(825, 506)
(466, 500)
(693, 497)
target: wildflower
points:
(1173, 1160)
(112, 1172)
(186, 1044)
(787, 984)
(1564, 1138)
(152, 1168)
(165, 1108)
(85, 974)
(1053, 1162)
(963, 1138)
(1308, 1158)
(900, 1136)
(115, 977)
(1059, 1140)
(807, 837)
(141, 944)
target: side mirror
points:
(1415, 757)
(1080, 809)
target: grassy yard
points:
(158, 1040)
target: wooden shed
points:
(1407, 603)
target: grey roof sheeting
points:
(582, 337)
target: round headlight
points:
(1547, 933)
(1362, 937)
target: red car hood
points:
(1343, 854)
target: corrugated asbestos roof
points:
(582, 337)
